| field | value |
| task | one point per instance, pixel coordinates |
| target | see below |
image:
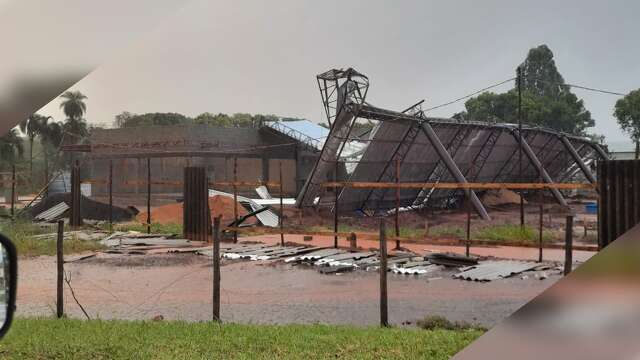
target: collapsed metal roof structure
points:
(431, 150)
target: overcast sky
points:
(262, 56)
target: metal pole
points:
(149, 195)
(335, 208)
(383, 276)
(397, 217)
(519, 76)
(60, 270)
(452, 167)
(281, 208)
(568, 247)
(110, 195)
(216, 268)
(13, 190)
(235, 198)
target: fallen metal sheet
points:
(315, 255)
(53, 213)
(335, 269)
(267, 218)
(449, 259)
(494, 270)
(416, 270)
(341, 259)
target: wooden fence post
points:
(13, 190)
(235, 198)
(216, 268)
(110, 195)
(568, 249)
(148, 195)
(383, 275)
(281, 208)
(353, 243)
(60, 270)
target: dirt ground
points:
(179, 286)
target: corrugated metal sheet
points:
(494, 270)
(267, 218)
(53, 212)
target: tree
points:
(127, 119)
(627, 111)
(540, 75)
(74, 108)
(32, 127)
(51, 137)
(546, 100)
(11, 147)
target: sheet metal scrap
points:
(52, 213)
(494, 270)
(315, 255)
(343, 259)
(450, 259)
(263, 252)
(415, 270)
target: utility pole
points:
(519, 77)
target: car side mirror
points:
(8, 283)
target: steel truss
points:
(343, 95)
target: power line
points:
(595, 90)
(470, 95)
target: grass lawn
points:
(22, 232)
(76, 339)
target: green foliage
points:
(441, 323)
(155, 228)
(96, 339)
(22, 232)
(627, 111)
(546, 100)
(447, 231)
(74, 108)
(11, 147)
(240, 120)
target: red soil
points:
(172, 213)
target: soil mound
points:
(501, 197)
(172, 213)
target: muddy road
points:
(179, 287)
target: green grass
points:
(447, 231)
(77, 339)
(511, 233)
(22, 232)
(442, 323)
(155, 228)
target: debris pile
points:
(90, 209)
(136, 243)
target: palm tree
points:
(74, 108)
(32, 127)
(51, 136)
(11, 146)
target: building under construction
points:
(257, 152)
(409, 147)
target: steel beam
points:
(452, 167)
(577, 159)
(599, 150)
(534, 160)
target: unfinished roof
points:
(433, 150)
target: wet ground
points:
(179, 286)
